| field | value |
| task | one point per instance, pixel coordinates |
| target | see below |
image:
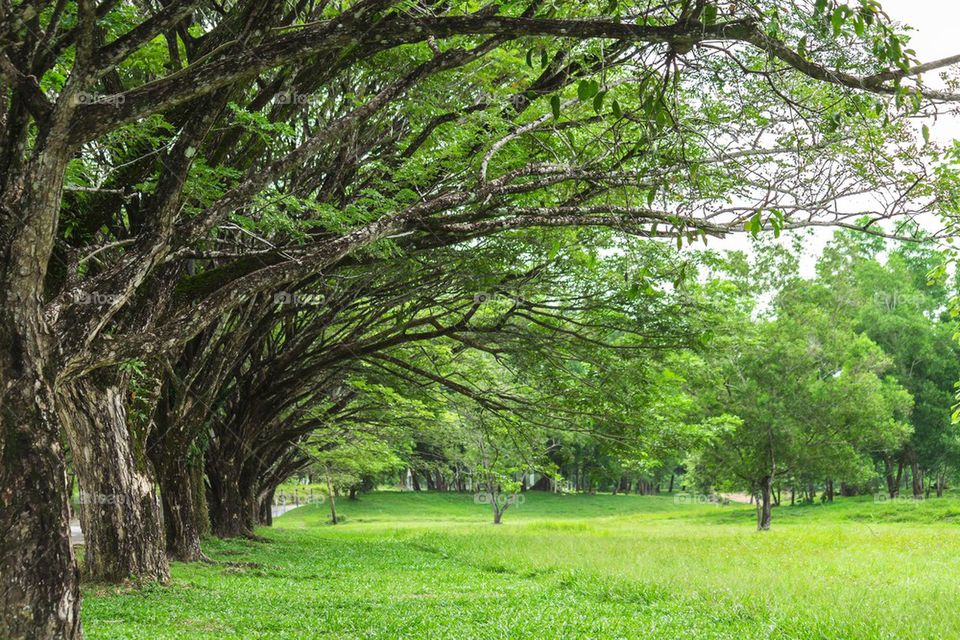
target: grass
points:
(406, 565)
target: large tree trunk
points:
(765, 507)
(39, 581)
(234, 505)
(180, 516)
(120, 513)
(892, 488)
(265, 517)
(226, 500)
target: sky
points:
(935, 34)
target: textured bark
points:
(39, 591)
(120, 510)
(232, 499)
(333, 502)
(893, 488)
(179, 511)
(917, 476)
(765, 504)
(226, 506)
(265, 518)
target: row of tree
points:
(841, 383)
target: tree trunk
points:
(414, 480)
(39, 581)
(120, 517)
(225, 500)
(893, 483)
(828, 490)
(670, 490)
(941, 483)
(333, 502)
(265, 517)
(764, 507)
(917, 479)
(181, 521)
(494, 496)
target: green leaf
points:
(544, 59)
(926, 134)
(710, 14)
(754, 224)
(586, 90)
(837, 19)
(555, 106)
(617, 111)
(598, 101)
(530, 58)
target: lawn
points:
(406, 565)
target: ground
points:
(407, 565)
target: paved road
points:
(76, 534)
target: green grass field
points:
(408, 565)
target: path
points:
(76, 534)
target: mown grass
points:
(406, 565)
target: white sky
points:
(935, 34)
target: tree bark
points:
(225, 500)
(120, 516)
(333, 502)
(764, 508)
(917, 478)
(265, 517)
(181, 521)
(893, 482)
(39, 581)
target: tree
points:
(812, 396)
(896, 305)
